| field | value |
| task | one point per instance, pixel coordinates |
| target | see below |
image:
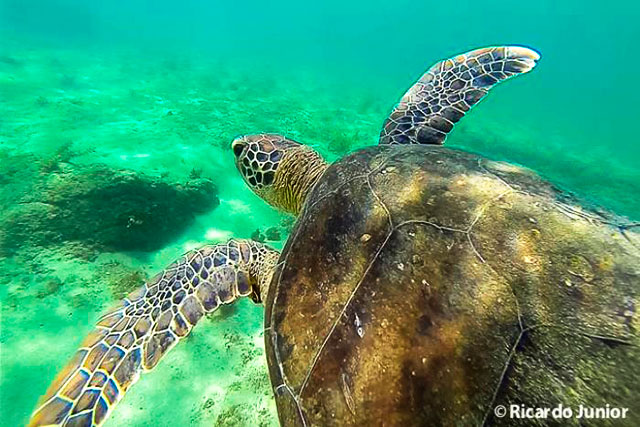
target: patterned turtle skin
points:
(425, 286)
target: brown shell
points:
(426, 286)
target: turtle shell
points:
(426, 286)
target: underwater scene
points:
(116, 124)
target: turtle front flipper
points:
(430, 108)
(150, 321)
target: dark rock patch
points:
(103, 209)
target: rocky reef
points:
(103, 209)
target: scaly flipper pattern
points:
(430, 108)
(135, 336)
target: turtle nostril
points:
(238, 148)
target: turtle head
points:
(258, 158)
(277, 169)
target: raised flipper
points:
(150, 321)
(430, 108)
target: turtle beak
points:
(238, 145)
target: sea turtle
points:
(421, 285)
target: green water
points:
(163, 87)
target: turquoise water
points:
(161, 88)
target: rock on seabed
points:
(104, 209)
